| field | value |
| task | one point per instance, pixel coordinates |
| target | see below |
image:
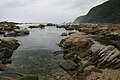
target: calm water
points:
(35, 55)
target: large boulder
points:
(77, 41)
(10, 43)
(7, 47)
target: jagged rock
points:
(77, 41)
(68, 65)
(107, 57)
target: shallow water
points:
(35, 55)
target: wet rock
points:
(50, 24)
(6, 61)
(64, 34)
(17, 32)
(58, 53)
(69, 28)
(68, 65)
(7, 47)
(39, 26)
(25, 31)
(11, 34)
(70, 55)
(10, 43)
(5, 53)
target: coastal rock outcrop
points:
(107, 57)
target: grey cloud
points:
(45, 10)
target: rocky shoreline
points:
(83, 63)
(79, 60)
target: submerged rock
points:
(68, 65)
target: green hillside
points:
(108, 12)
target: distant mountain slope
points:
(108, 12)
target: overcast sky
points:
(56, 11)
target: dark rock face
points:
(107, 12)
